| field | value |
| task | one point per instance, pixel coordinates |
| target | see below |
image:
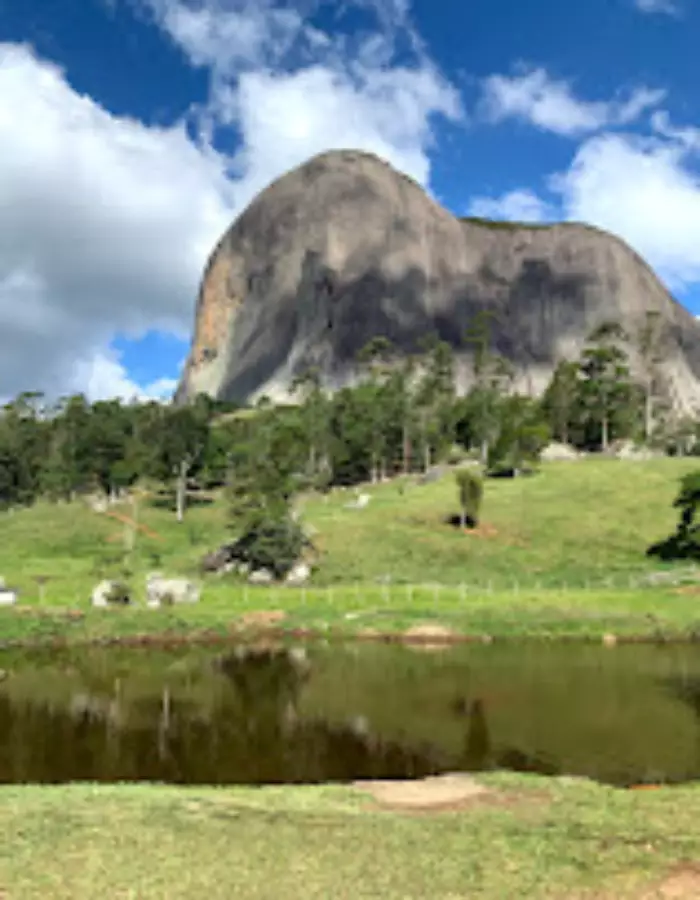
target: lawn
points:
(558, 554)
(526, 837)
(562, 552)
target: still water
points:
(623, 715)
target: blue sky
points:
(134, 131)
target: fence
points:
(398, 595)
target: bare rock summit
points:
(345, 248)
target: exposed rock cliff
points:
(345, 248)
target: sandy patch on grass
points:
(429, 636)
(437, 793)
(681, 884)
(261, 618)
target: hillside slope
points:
(574, 525)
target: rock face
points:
(345, 248)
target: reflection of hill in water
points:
(245, 717)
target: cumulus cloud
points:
(521, 205)
(315, 91)
(102, 375)
(533, 96)
(106, 223)
(644, 189)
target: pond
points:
(274, 714)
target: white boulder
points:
(298, 575)
(161, 591)
(261, 576)
(109, 593)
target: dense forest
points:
(402, 416)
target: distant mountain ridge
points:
(345, 248)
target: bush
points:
(471, 490)
(685, 542)
(272, 544)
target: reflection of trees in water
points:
(480, 754)
(252, 734)
(687, 691)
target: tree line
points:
(403, 415)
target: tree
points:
(649, 345)
(401, 406)
(67, 465)
(376, 359)
(493, 375)
(560, 399)
(685, 542)
(471, 490)
(259, 495)
(177, 436)
(23, 432)
(521, 436)
(435, 399)
(606, 387)
(315, 413)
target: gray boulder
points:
(345, 248)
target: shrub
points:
(271, 543)
(685, 542)
(471, 490)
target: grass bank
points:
(369, 612)
(526, 837)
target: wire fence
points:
(397, 594)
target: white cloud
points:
(105, 223)
(286, 118)
(668, 7)
(224, 37)
(102, 376)
(521, 205)
(534, 96)
(643, 189)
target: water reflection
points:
(271, 714)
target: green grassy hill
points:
(574, 525)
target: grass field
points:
(559, 554)
(562, 552)
(530, 837)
